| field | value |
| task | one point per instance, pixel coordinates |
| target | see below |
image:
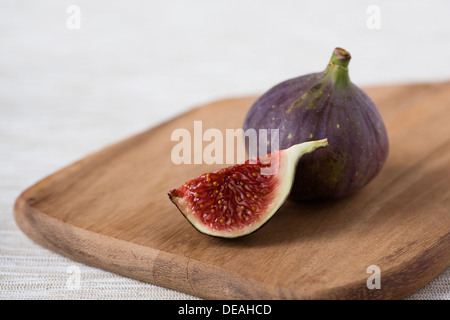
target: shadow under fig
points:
(304, 221)
(299, 221)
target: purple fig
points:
(325, 104)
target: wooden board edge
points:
(100, 251)
(188, 275)
(129, 141)
(145, 264)
(201, 280)
(400, 281)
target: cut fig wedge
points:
(237, 200)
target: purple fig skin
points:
(325, 105)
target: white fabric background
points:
(66, 93)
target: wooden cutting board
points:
(111, 210)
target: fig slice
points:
(237, 200)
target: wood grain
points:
(111, 210)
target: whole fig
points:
(325, 104)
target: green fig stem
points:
(337, 69)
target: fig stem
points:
(337, 69)
(340, 58)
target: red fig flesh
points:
(238, 200)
